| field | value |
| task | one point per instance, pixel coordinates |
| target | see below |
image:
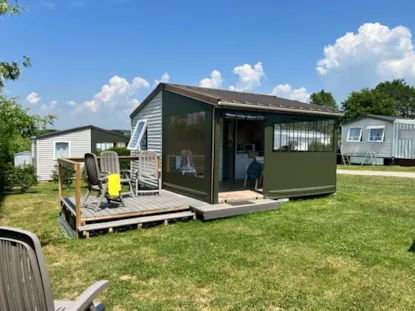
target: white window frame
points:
(140, 137)
(61, 141)
(353, 140)
(382, 127)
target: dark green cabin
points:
(208, 137)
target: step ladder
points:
(345, 158)
(370, 158)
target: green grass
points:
(393, 168)
(347, 251)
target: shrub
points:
(121, 151)
(317, 146)
(66, 178)
(20, 178)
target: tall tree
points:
(323, 98)
(11, 70)
(402, 95)
(367, 101)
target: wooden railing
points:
(75, 164)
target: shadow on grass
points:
(412, 247)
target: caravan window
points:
(61, 149)
(354, 134)
(136, 141)
(376, 133)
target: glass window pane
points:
(185, 144)
(61, 150)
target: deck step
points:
(209, 212)
(135, 221)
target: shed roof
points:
(81, 128)
(250, 101)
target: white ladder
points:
(345, 158)
(370, 155)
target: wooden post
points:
(78, 194)
(59, 184)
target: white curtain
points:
(62, 150)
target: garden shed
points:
(74, 142)
(209, 139)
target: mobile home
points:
(207, 138)
(389, 139)
(74, 142)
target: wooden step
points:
(136, 221)
(209, 212)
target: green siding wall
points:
(294, 174)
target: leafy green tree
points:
(11, 70)
(367, 101)
(402, 94)
(323, 98)
(15, 126)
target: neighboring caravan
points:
(389, 139)
(206, 139)
(74, 142)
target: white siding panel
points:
(152, 112)
(382, 149)
(404, 146)
(80, 143)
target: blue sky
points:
(94, 61)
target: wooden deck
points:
(137, 210)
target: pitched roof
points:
(81, 128)
(225, 98)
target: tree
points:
(402, 95)
(323, 98)
(11, 70)
(367, 101)
(16, 124)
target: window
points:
(354, 134)
(185, 144)
(104, 146)
(304, 135)
(376, 133)
(138, 134)
(62, 150)
(143, 143)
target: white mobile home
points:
(74, 142)
(389, 139)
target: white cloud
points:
(139, 83)
(33, 98)
(114, 98)
(44, 107)
(116, 86)
(51, 106)
(286, 91)
(248, 77)
(164, 79)
(375, 53)
(71, 103)
(215, 81)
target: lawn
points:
(348, 251)
(393, 168)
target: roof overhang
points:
(246, 105)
